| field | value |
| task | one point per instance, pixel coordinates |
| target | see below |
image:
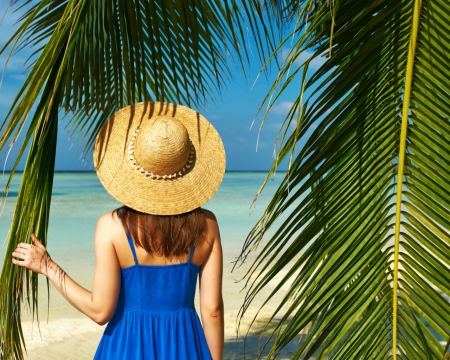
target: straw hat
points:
(159, 158)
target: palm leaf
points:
(366, 242)
(91, 59)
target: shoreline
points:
(6, 172)
(78, 201)
(68, 334)
(78, 339)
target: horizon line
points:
(93, 171)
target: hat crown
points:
(162, 146)
(139, 147)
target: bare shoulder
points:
(109, 219)
(212, 261)
(209, 215)
(212, 227)
(211, 222)
(109, 226)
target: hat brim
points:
(172, 196)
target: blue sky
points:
(232, 113)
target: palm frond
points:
(31, 216)
(92, 58)
(350, 296)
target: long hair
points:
(164, 235)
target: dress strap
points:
(131, 243)
(130, 240)
(191, 254)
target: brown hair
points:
(164, 235)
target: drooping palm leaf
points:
(366, 245)
(93, 57)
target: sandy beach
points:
(78, 201)
(68, 334)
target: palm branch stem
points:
(401, 162)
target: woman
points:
(162, 162)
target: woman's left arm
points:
(99, 304)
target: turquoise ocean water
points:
(79, 200)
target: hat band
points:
(151, 175)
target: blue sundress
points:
(155, 317)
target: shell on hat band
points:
(151, 175)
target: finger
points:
(20, 250)
(18, 254)
(20, 263)
(36, 241)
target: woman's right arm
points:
(98, 304)
(211, 302)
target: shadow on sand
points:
(236, 348)
(249, 347)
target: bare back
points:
(203, 246)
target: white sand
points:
(70, 335)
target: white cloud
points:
(282, 108)
(273, 126)
(16, 63)
(302, 57)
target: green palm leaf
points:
(92, 58)
(366, 245)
